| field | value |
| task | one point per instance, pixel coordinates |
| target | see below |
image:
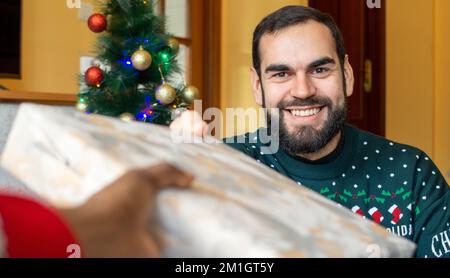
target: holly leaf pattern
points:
(343, 198)
(361, 193)
(417, 210)
(386, 193)
(380, 200)
(347, 193)
(406, 195)
(400, 191)
(324, 190)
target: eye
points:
(282, 74)
(321, 70)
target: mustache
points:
(311, 101)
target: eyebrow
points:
(315, 64)
(321, 62)
(277, 67)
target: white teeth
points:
(305, 113)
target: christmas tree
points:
(136, 58)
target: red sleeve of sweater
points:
(32, 230)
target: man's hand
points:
(115, 221)
(190, 123)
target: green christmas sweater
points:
(395, 185)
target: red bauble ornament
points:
(97, 23)
(94, 76)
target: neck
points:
(329, 148)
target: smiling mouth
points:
(305, 112)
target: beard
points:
(307, 139)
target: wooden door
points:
(363, 29)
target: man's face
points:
(301, 75)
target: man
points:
(113, 223)
(300, 67)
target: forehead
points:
(301, 44)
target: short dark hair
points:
(293, 15)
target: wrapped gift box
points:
(237, 207)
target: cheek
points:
(331, 88)
(275, 93)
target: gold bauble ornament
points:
(81, 106)
(165, 94)
(141, 59)
(189, 94)
(127, 117)
(174, 45)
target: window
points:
(196, 25)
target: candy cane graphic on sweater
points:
(358, 210)
(396, 213)
(376, 215)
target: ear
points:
(256, 87)
(349, 77)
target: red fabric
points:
(32, 230)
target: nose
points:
(303, 87)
